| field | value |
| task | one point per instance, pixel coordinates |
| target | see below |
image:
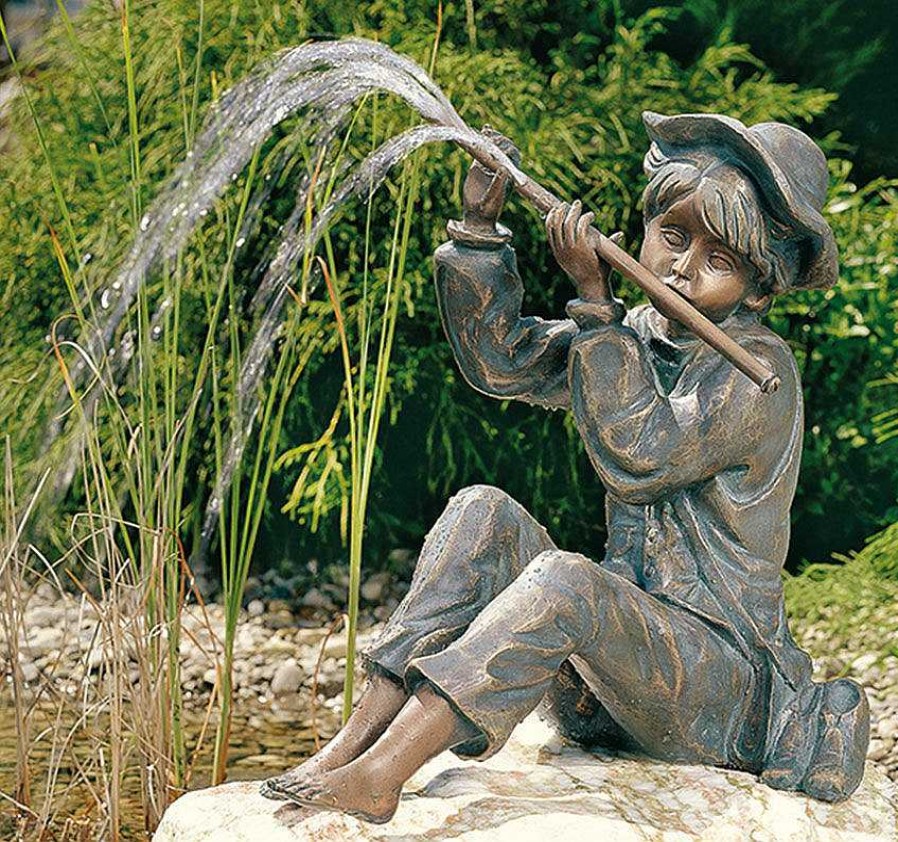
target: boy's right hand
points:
(575, 246)
(484, 190)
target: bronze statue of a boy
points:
(676, 643)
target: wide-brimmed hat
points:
(786, 166)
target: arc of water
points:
(324, 80)
(327, 78)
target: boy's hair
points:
(731, 208)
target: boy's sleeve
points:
(644, 443)
(500, 352)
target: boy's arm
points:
(645, 444)
(500, 352)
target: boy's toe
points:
(271, 789)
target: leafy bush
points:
(571, 96)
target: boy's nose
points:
(682, 275)
(682, 268)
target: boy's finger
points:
(558, 214)
(570, 221)
(551, 217)
(495, 191)
(584, 223)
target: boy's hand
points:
(485, 191)
(575, 246)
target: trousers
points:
(498, 619)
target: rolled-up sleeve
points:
(644, 443)
(500, 352)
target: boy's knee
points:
(558, 566)
(481, 504)
(488, 494)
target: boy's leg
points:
(481, 542)
(679, 689)
(572, 709)
(382, 700)
(369, 786)
(819, 741)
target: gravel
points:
(276, 653)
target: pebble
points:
(863, 663)
(375, 587)
(879, 749)
(43, 640)
(287, 679)
(401, 556)
(30, 672)
(313, 598)
(282, 619)
(888, 728)
(278, 646)
(255, 608)
(335, 646)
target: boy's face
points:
(689, 258)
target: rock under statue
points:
(674, 644)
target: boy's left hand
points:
(575, 246)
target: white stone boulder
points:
(534, 790)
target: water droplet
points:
(204, 212)
(105, 298)
(145, 222)
(48, 339)
(87, 258)
(117, 285)
(241, 242)
(214, 504)
(156, 332)
(233, 176)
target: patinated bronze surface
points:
(675, 643)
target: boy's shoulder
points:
(763, 342)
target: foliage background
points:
(567, 80)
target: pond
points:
(264, 740)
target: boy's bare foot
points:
(349, 790)
(369, 786)
(383, 699)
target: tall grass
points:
(366, 410)
(11, 619)
(138, 448)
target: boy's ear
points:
(757, 302)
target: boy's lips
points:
(673, 285)
(670, 285)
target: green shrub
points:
(572, 98)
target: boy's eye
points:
(721, 262)
(674, 237)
